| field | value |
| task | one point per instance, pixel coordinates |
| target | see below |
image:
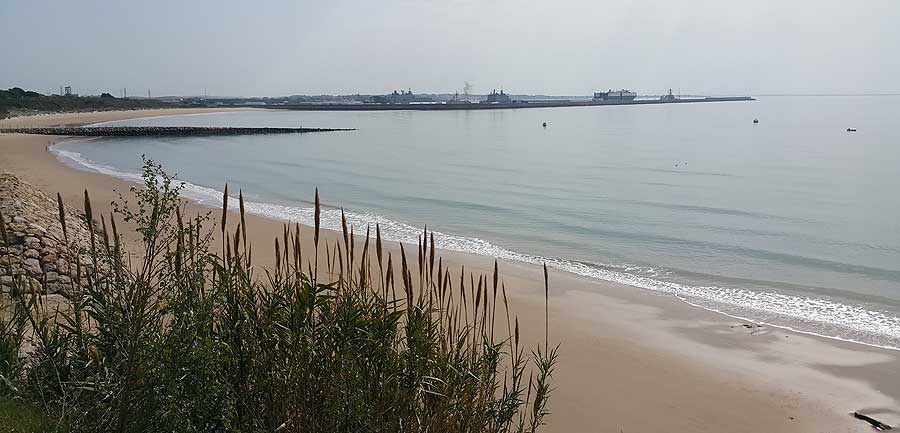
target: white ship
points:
(615, 95)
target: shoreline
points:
(74, 160)
(626, 354)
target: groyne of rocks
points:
(155, 131)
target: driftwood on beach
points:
(150, 131)
(877, 425)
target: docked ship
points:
(497, 98)
(402, 97)
(669, 97)
(615, 95)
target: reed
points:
(188, 339)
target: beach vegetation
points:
(191, 335)
(20, 101)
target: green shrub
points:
(187, 340)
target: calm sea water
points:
(793, 221)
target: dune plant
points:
(185, 337)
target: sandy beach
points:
(631, 360)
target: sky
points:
(558, 47)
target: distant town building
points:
(67, 91)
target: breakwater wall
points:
(151, 131)
(485, 106)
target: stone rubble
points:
(36, 253)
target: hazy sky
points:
(552, 46)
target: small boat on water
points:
(755, 121)
(851, 129)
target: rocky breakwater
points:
(35, 251)
(159, 131)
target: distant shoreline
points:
(481, 106)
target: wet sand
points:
(630, 360)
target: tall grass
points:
(190, 338)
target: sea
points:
(793, 221)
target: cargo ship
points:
(615, 95)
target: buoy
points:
(545, 124)
(755, 121)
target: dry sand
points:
(631, 360)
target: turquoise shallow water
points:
(793, 221)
